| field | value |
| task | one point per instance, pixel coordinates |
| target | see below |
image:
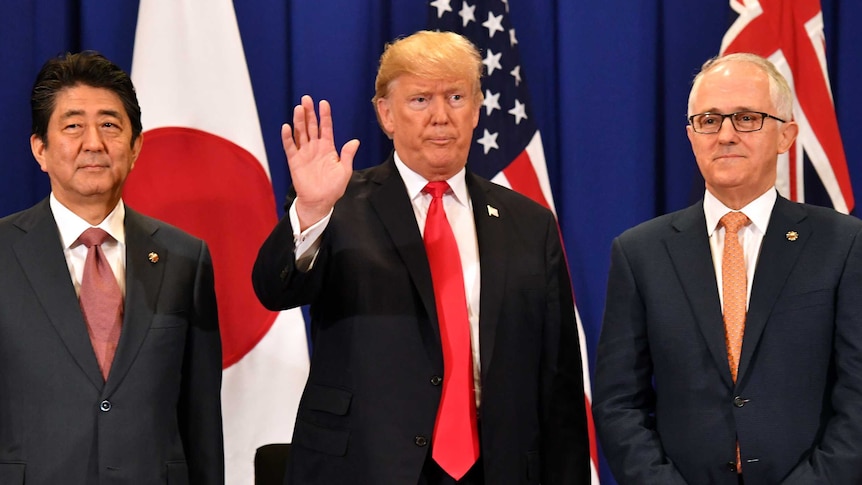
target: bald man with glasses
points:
(731, 347)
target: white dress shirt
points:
(71, 226)
(758, 211)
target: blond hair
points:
(430, 55)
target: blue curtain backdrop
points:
(609, 83)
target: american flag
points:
(790, 34)
(507, 146)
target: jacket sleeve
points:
(200, 398)
(837, 458)
(623, 394)
(565, 442)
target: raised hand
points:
(319, 173)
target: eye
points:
(709, 119)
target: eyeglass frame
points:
(732, 122)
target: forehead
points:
(87, 100)
(731, 87)
(413, 83)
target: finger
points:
(348, 151)
(287, 141)
(326, 121)
(300, 132)
(310, 117)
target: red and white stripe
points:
(528, 175)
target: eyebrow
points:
(79, 112)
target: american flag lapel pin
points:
(492, 211)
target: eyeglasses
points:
(742, 121)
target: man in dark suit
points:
(678, 398)
(352, 247)
(140, 403)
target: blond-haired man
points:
(352, 247)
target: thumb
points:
(348, 151)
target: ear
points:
(787, 136)
(384, 113)
(136, 149)
(691, 134)
(37, 146)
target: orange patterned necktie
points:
(734, 288)
(101, 299)
(455, 444)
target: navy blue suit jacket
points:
(666, 408)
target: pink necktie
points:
(455, 445)
(734, 288)
(101, 300)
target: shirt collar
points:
(758, 211)
(71, 225)
(415, 182)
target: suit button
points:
(436, 380)
(731, 466)
(420, 440)
(739, 402)
(105, 405)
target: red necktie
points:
(734, 289)
(101, 299)
(455, 445)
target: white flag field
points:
(204, 168)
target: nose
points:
(438, 110)
(92, 139)
(726, 131)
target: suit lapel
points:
(393, 207)
(40, 254)
(143, 283)
(692, 259)
(777, 258)
(492, 262)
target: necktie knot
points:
(436, 189)
(734, 221)
(93, 237)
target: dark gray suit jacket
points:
(368, 409)
(666, 408)
(157, 419)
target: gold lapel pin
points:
(153, 257)
(792, 235)
(492, 211)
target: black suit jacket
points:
(368, 409)
(157, 419)
(666, 408)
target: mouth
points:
(727, 157)
(441, 140)
(93, 167)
